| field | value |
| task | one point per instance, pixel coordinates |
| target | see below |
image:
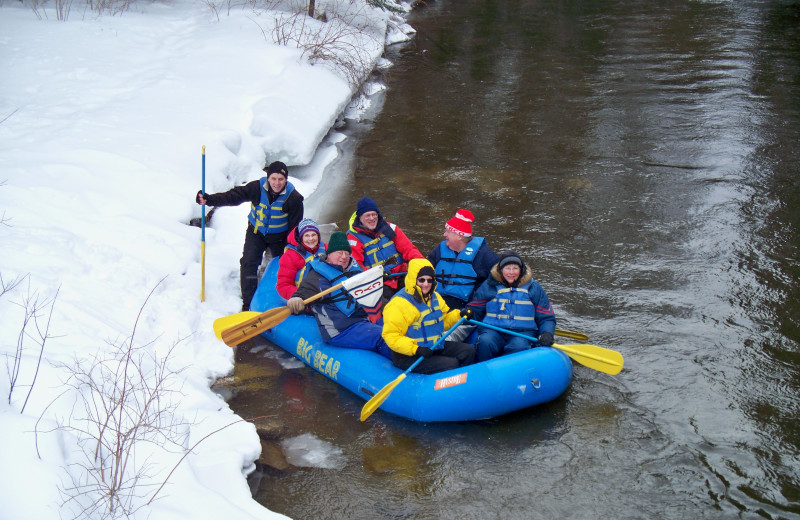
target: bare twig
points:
(190, 450)
(42, 340)
(32, 308)
(9, 115)
(122, 401)
(336, 39)
(9, 286)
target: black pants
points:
(252, 254)
(453, 355)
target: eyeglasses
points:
(424, 280)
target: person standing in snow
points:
(375, 241)
(276, 207)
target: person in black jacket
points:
(276, 207)
(342, 321)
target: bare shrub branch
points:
(63, 8)
(3, 219)
(43, 335)
(190, 450)
(4, 120)
(339, 41)
(33, 309)
(10, 286)
(123, 402)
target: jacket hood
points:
(414, 267)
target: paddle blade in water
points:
(378, 399)
(597, 358)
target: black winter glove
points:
(424, 352)
(197, 197)
(466, 312)
(545, 339)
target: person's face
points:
(310, 239)
(277, 182)
(425, 284)
(453, 240)
(511, 273)
(370, 220)
(340, 258)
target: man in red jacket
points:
(375, 241)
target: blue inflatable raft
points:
(479, 391)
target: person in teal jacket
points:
(511, 299)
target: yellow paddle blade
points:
(571, 335)
(252, 327)
(378, 399)
(227, 322)
(597, 358)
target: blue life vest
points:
(307, 256)
(512, 308)
(454, 272)
(269, 218)
(377, 250)
(340, 298)
(429, 327)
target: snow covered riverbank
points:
(102, 122)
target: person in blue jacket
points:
(342, 322)
(511, 299)
(462, 263)
(276, 208)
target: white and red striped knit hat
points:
(461, 224)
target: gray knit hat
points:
(509, 257)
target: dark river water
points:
(643, 157)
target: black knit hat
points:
(509, 257)
(277, 167)
(427, 271)
(338, 242)
(424, 271)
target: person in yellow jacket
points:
(416, 317)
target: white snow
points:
(102, 124)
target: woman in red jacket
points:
(304, 245)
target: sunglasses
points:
(424, 280)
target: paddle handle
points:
(438, 342)
(597, 358)
(323, 293)
(506, 331)
(378, 399)
(203, 235)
